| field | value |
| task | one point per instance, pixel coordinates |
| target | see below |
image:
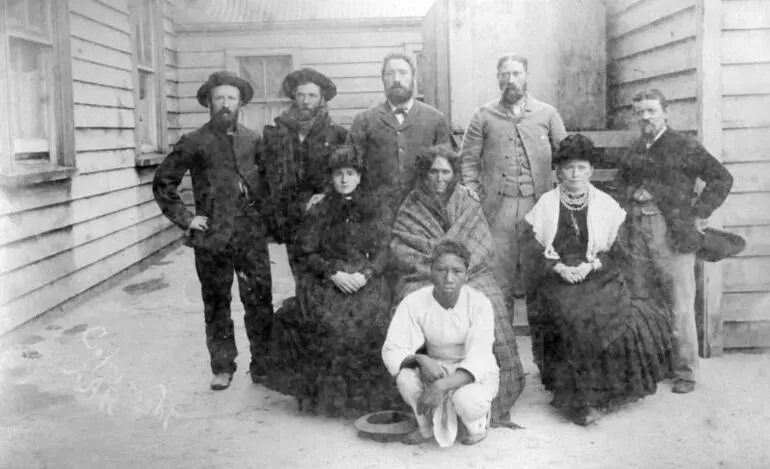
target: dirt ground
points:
(122, 382)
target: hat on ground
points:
(576, 147)
(224, 78)
(719, 244)
(386, 426)
(309, 75)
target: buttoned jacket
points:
(217, 167)
(490, 142)
(389, 149)
(668, 171)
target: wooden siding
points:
(61, 239)
(746, 148)
(349, 56)
(652, 44)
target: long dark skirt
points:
(326, 349)
(600, 347)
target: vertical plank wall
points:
(651, 44)
(746, 151)
(60, 239)
(351, 56)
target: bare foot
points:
(415, 438)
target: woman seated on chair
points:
(439, 348)
(326, 344)
(440, 209)
(601, 332)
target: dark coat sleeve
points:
(384, 224)
(313, 228)
(718, 181)
(443, 132)
(168, 176)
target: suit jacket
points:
(216, 167)
(668, 170)
(389, 149)
(491, 138)
(296, 171)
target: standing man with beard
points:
(656, 183)
(506, 159)
(227, 231)
(296, 150)
(389, 135)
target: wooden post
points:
(709, 94)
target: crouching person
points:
(439, 348)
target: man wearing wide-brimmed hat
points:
(227, 231)
(296, 150)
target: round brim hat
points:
(305, 75)
(719, 244)
(386, 425)
(224, 78)
(576, 147)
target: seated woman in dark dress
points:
(601, 333)
(326, 344)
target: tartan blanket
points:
(421, 223)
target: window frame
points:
(158, 118)
(60, 163)
(413, 49)
(232, 63)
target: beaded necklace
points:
(574, 203)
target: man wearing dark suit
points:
(656, 183)
(227, 230)
(389, 135)
(296, 153)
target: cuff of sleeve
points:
(472, 367)
(701, 211)
(393, 361)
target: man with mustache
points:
(656, 183)
(389, 135)
(296, 150)
(227, 230)
(506, 159)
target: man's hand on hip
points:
(199, 222)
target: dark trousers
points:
(247, 256)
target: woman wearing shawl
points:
(439, 209)
(601, 337)
(326, 344)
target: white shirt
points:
(408, 106)
(460, 337)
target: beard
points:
(224, 119)
(512, 93)
(399, 94)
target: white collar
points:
(655, 139)
(407, 106)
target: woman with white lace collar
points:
(600, 335)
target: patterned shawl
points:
(421, 223)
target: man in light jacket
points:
(506, 159)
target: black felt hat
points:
(224, 78)
(575, 147)
(309, 75)
(344, 156)
(718, 244)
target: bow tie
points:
(401, 110)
